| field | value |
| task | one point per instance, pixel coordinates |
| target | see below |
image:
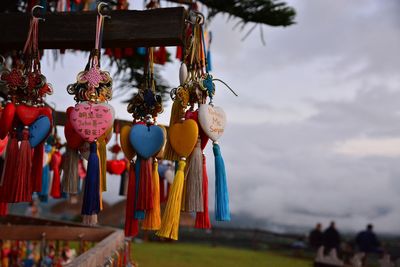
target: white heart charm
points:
(183, 73)
(212, 120)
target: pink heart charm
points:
(91, 121)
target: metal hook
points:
(2, 60)
(198, 15)
(221, 81)
(33, 10)
(101, 7)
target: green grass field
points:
(183, 254)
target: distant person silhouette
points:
(367, 241)
(315, 239)
(331, 238)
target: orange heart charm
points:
(183, 137)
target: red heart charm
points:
(74, 140)
(91, 121)
(7, 117)
(3, 144)
(194, 115)
(116, 166)
(27, 114)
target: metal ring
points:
(100, 6)
(33, 9)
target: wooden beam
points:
(98, 255)
(63, 233)
(76, 30)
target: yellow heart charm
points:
(107, 135)
(125, 143)
(160, 154)
(183, 137)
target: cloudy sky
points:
(315, 133)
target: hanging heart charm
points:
(125, 143)
(212, 120)
(146, 140)
(3, 145)
(27, 114)
(39, 130)
(116, 166)
(183, 137)
(91, 121)
(160, 153)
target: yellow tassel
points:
(102, 152)
(176, 115)
(183, 204)
(152, 220)
(170, 221)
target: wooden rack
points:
(108, 239)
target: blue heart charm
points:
(39, 130)
(146, 140)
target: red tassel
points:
(145, 199)
(203, 218)
(3, 208)
(128, 52)
(179, 53)
(131, 224)
(7, 191)
(55, 166)
(162, 55)
(108, 52)
(37, 167)
(23, 179)
(117, 53)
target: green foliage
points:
(269, 12)
(130, 76)
(183, 254)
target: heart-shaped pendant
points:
(160, 154)
(125, 143)
(146, 140)
(107, 135)
(27, 114)
(7, 117)
(183, 137)
(194, 115)
(91, 121)
(212, 120)
(39, 130)
(74, 140)
(3, 145)
(116, 166)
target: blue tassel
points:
(221, 188)
(91, 195)
(44, 194)
(209, 66)
(139, 214)
(141, 51)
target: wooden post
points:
(76, 30)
